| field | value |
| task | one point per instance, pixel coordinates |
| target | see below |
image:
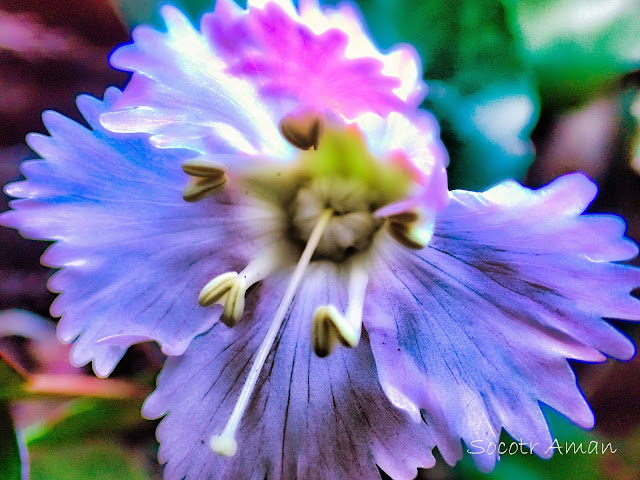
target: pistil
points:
(225, 443)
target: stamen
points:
(302, 130)
(225, 443)
(206, 178)
(229, 289)
(413, 228)
(201, 167)
(331, 327)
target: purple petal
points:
(309, 418)
(180, 94)
(24, 280)
(133, 254)
(475, 329)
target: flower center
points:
(332, 202)
(338, 173)
(352, 226)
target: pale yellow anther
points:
(330, 327)
(413, 228)
(303, 129)
(206, 178)
(200, 167)
(198, 188)
(409, 216)
(228, 290)
(234, 303)
(217, 288)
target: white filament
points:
(225, 443)
(357, 288)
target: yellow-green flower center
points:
(340, 175)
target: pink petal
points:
(321, 59)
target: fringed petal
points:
(413, 143)
(181, 95)
(133, 254)
(320, 58)
(476, 328)
(309, 418)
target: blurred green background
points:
(524, 89)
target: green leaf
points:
(487, 133)
(10, 461)
(480, 87)
(86, 418)
(136, 12)
(12, 380)
(92, 459)
(578, 47)
(634, 110)
(467, 43)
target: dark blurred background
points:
(524, 89)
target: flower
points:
(315, 216)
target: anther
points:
(413, 228)
(331, 327)
(303, 130)
(225, 443)
(206, 178)
(229, 289)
